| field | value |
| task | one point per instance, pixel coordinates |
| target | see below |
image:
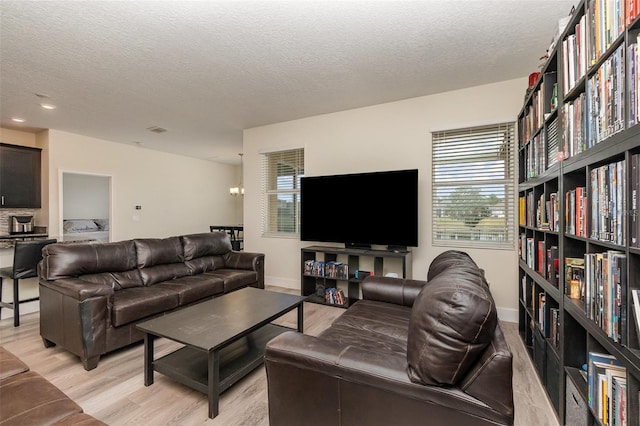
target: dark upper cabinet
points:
(20, 175)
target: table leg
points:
(300, 317)
(213, 379)
(148, 359)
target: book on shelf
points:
(554, 332)
(608, 398)
(601, 369)
(553, 212)
(618, 401)
(635, 297)
(574, 277)
(552, 274)
(553, 137)
(606, 292)
(606, 20)
(531, 256)
(605, 97)
(608, 203)
(542, 307)
(632, 7)
(542, 258)
(634, 215)
(632, 52)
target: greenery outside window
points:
(281, 173)
(473, 186)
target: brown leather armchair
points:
(410, 352)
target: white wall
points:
(178, 194)
(389, 136)
(85, 196)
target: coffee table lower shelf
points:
(189, 365)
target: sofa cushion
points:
(30, 399)
(205, 244)
(79, 419)
(193, 288)
(159, 273)
(452, 321)
(158, 251)
(372, 325)
(73, 260)
(457, 259)
(115, 280)
(234, 278)
(204, 264)
(10, 365)
(133, 304)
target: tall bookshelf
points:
(579, 228)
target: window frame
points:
(460, 140)
(270, 191)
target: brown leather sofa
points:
(410, 352)
(27, 398)
(93, 295)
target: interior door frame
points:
(61, 174)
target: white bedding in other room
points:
(83, 229)
(97, 236)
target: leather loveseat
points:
(410, 352)
(30, 399)
(93, 295)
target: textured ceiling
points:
(205, 70)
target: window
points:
(473, 186)
(281, 173)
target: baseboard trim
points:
(508, 314)
(282, 282)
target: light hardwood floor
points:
(114, 392)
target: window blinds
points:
(473, 186)
(281, 173)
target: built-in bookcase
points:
(579, 183)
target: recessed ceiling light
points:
(156, 129)
(48, 106)
(18, 119)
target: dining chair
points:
(26, 256)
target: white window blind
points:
(281, 173)
(473, 186)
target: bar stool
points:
(26, 256)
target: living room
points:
(180, 194)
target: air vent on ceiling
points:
(156, 129)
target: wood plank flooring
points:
(114, 392)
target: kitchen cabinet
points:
(20, 176)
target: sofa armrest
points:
(294, 357)
(400, 291)
(248, 261)
(492, 373)
(77, 289)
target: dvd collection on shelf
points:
(331, 269)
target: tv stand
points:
(357, 246)
(314, 281)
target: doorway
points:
(85, 207)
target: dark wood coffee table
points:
(224, 339)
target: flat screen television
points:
(362, 209)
